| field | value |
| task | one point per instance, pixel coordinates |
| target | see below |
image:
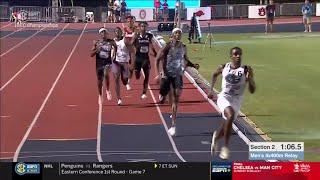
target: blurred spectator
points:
(157, 6)
(116, 10)
(270, 10)
(123, 10)
(193, 26)
(165, 7)
(14, 17)
(307, 13)
(110, 11)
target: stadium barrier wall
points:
(143, 14)
(228, 11)
(50, 14)
(4, 13)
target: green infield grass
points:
(286, 104)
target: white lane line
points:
(11, 33)
(174, 146)
(5, 26)
(99, 133)
(17, 45)
(16, 154)
(32, 59)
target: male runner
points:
(142, 42)
(129, 31)
(104, 50)
(234, 79)
(175, 59)
(120, 65)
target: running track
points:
(49, 109)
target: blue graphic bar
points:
(278, 155)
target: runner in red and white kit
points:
(129, 31)
(120, 65)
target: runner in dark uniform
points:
(175, 60)
(104, 50)
(270, 12)
(142, 42)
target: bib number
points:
(144, 49)
(104, 54)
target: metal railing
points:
(76, 14)
(293, 9)
(50, 14)
(4, 12)
(230, 11)
(66, 14)
(29, 13)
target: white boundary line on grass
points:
(16, 154)
(32, 59)
(17, 45)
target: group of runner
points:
(127, 51)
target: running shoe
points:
(128, 87)
(143, 96)
(119, 102)
(172, 131)
(108, 93)
(161, 99)
(224, 154)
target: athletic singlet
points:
(175, 60)
(128, 32)
(233, 81)
(142, 44)
(103, 57)
(122, 54)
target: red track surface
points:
(71, 110)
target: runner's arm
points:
(188, 62)
(250, 80)
(152, 46)
(159, 58)
(113, 51)
(214, 79)
(94, 49)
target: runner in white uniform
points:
(234, 80)
(120, 66)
